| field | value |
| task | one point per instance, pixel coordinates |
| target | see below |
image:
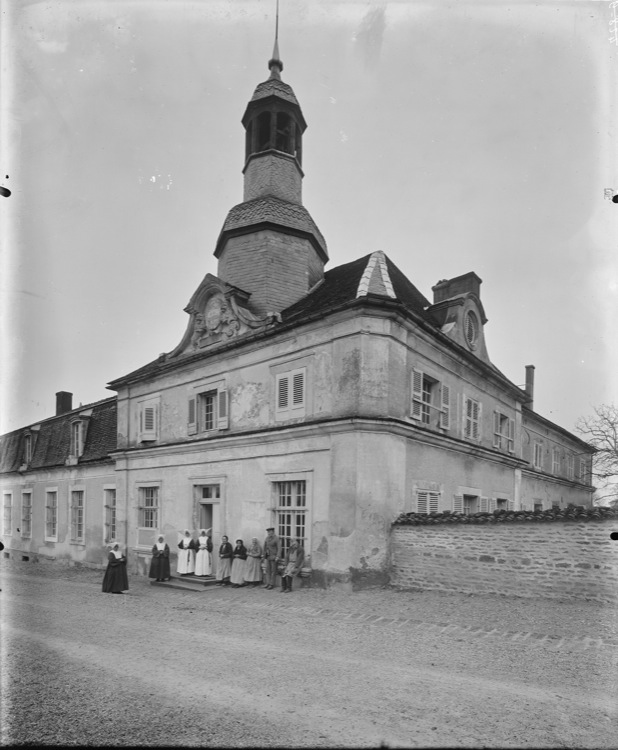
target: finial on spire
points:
(275, 65)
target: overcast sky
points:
(454, 136)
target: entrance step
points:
(187, 583)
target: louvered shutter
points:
(445, 406)
(484, 505)
(283, 387)
(457, 503)
(298, 389)
(497, 435)
(467, 417)
(417, 393)
(421, 502)
(223, 421)
(492, 504)
(191, 422)
(510, 505)
(476, 416)
(434, 498)
(148, 422)
(511, 441)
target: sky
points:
(454, 136)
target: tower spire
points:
(275, 65)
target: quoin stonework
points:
(322, 402)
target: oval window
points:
(472, 328)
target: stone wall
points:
(568, 558)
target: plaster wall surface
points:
(575, 560)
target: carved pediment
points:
(219, 313)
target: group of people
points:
(236, 565)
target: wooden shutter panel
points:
(445, 405)
(457, 503)
(417, 393)
(510, 505)
(497, 436)
(298, 389)
(421, 502)
(148, 422)
(283, 387)
(484, 505)
(434, 498)
(511, 440)
(223, 421)
(192, 422)
(492, 504)
(476, 418)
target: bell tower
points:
(270, 246)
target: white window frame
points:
(275, 479)
(148, 531)
(7, 514)
(77, 438)
(571, 467)
(51, 491)
(504, 432)
(221, 408)
(427, 501)
(148, 419)
(472, 421)
(291, 394)
(26, 514)
(555, 461)
(296, 491)
(537, 456)
(421, 407)
(77, 514)
(110, 514)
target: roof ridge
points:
(376, 262)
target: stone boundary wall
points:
(575, 559)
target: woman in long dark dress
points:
(239, 562)
(224, 568)
(160, 563)
(115, 580)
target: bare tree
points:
(601, 431)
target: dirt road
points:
(250, 667)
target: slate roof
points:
(53, 439)
(359, 279)
(276, 87)
(275, 211)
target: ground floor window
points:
(77, 516)
(110, 514)
(26, 514)
(148, 507)
(427, 502)
(291, 513)
(51, 515)
(7, 518)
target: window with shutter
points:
(457, 503)
(472, 413)
(290, 394)
(223, 420)
(149, 420)
(427, 502)
(484, 505)
(445, 412)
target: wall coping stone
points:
(573, 513)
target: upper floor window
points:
(148, 416)
(208, 411)
(555, 461)
(77, 438)
(26, 514)
(430, 402)
(504, 432)
(290, 394)
(28, 449)
(77, 516)
(583, 469)
(571, 466)
(537, 459)
(427, 502)
(472, 419)
(7, 517)
(51, 515)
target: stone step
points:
(188, 583)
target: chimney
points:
(64, 402)
(447, 288)
(530, 385)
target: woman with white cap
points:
(160, 563)
(203, 566)
(115, 580)
(186, 555)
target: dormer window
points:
(28, 449)
(77, 438)
(471, 329)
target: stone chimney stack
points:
(448, 288)
(530, 385)
(64, 402)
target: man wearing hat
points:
(272, 553)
